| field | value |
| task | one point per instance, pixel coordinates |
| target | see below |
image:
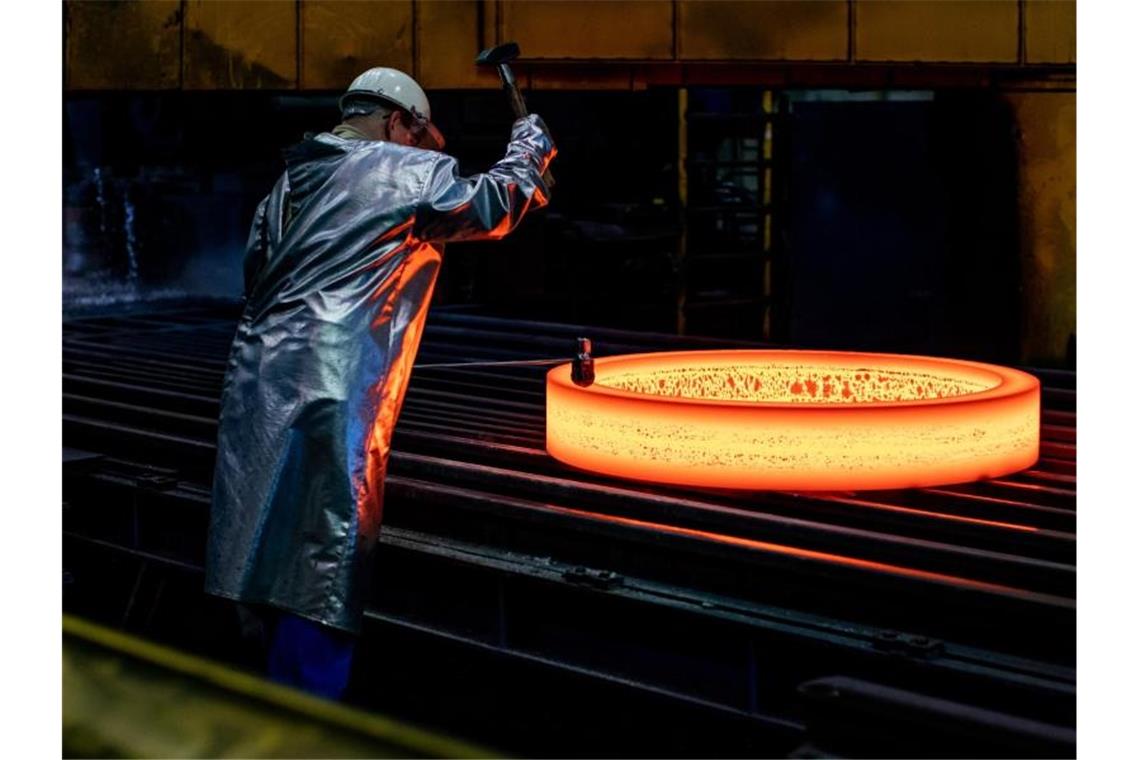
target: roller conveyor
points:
(719, 605)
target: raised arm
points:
(487, 206)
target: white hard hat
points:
(397, 88)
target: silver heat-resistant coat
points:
(339, 271)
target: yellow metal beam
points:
(127, 695)
(683, 195)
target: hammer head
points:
(499, 54)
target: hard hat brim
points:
(369, 95)
(435, 137)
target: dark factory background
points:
(881, 175)
(931, 212)
(890, 223)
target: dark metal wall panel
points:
(782, 30)
(1050, 31)
(340, 39)
(448, 36)
(958, 31)
(318, 44)
(240, 45)
(581, 30)
(1046, 140)
(593, 77)
(130, 45)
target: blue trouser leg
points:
(310, 656)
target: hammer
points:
(501, 56)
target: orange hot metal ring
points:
(794, 420)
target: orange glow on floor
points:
(793, 551)
(938, 515)
(795, 420)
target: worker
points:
(339, 269)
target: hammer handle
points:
(519, 107)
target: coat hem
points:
(284, 607)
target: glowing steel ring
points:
(794, 420)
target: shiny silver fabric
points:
(341, 262)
